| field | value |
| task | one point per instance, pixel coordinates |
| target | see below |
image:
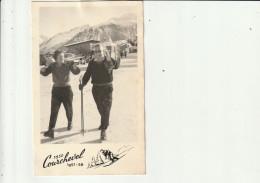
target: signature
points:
(106, 157)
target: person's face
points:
(60, 58)
(98, 53)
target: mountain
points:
(42, 39)
(115, 29)
(60, 39)
(123, 20)
(107, 33)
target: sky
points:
(54, 20)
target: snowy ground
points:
(123, 127)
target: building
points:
(81, 48)
(133, 49)
(123, 45)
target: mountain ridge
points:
(115, 29)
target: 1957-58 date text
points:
(74, 164)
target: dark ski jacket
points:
(100, 73)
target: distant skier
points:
(125, 53)
(61, 90)
(121, 54)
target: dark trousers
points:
(61, 95)
(103, 98)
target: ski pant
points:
(103, 98)
(61, 95)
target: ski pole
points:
(82, 112)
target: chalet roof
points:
(91, 40)
(109, 44)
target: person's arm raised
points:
(45, 71)
(115, 63)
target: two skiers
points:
(100, 69)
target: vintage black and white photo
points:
(88, 80)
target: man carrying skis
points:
(61, 90)
(100, 69)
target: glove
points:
(43, 69)
(69, 63)
(50, 62)
(80, 87)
